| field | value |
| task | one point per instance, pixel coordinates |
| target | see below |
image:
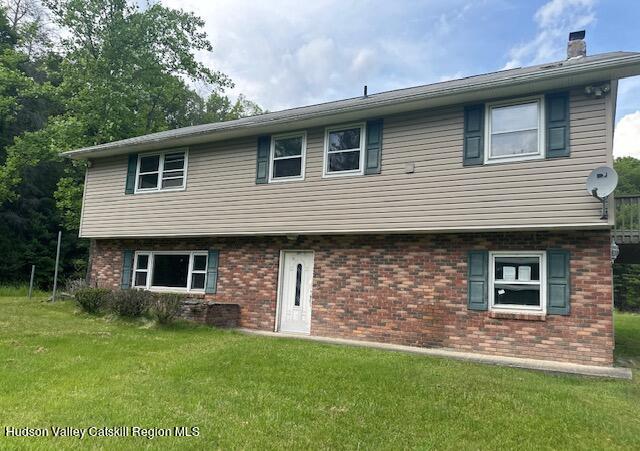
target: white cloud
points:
(555, 19)
(285, 53)
(626, 141)
(628, 96)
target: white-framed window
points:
(514, 130)
(288, 152)
(182, 271)
(344, 150)
(162, 171)
(517, 281)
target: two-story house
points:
(449, 215)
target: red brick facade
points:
(407, 289)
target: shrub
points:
(91, 300)
(130, 303)
(75, 285)
(165, 308)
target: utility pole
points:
(55, 274)
(33, 273)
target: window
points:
(287, 157)
(161, 171)
(141, 273)
(514, 131)
(517, 281)
(296, 301)
(344, 150)
(170, 271)
(198, 272)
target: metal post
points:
(33, 273)
(55, 275)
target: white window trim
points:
(161, 170)
(541, 131)
(360, 171)
(511, 308)
(272, 157)
(160, 289)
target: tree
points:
(220, 108)
(628, 169)
(626, 277)
(28, 20)
(8, 37)
(120, 71)
(122, 76)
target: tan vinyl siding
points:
(222, 197)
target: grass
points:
(20, 291)
(627, 339)
(65, 368)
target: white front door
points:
(295, 292)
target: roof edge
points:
(625, 63)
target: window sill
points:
(341, 174)
(285, 180)
(173, 291)
(164, 190)
(505, 160)
(525, 316)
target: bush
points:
(130, 303)
(75, 285)
(165, 308)
(92, 300)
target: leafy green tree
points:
(8, 37)
(119, 71)
(122, 76)
(628, 169)
(219, 108)
(626, 277)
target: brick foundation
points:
(211, 313)
(406, 289)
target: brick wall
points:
(211, 313)
(407, 289)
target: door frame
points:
(276, 326)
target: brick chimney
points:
(577, 47)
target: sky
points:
(288, 53)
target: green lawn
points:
(628, 340)
(64, 368)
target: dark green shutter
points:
(478, 280)
(130, 184)
(473, 135)
(262, 165)
(557, 112)
(558, 282)
(212, 272)
(127, 269)
(373, 155)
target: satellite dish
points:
(602, 181)
(600, 184)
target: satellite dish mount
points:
(605, 209)
(600, 184)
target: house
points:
(449, 215)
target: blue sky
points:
(286, 53)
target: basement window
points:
(517, 281)
(344, 150)
(162, 171)
(287, 157)
(170, 271)
(515, 130)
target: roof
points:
(557, 75)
